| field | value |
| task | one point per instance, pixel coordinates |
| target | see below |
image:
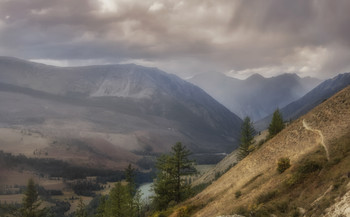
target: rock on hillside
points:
(256, 96)
(135, 108)
(313, 98)
(256, 176)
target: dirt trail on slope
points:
(321, 136)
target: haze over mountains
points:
(313, 98)
(127, 108)
(255, 96)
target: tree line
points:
(248, 132)
(170, 187)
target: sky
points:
(235, 37)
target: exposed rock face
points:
(341, 207)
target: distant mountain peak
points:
(255, 76)
(289, 75)
(256, 96)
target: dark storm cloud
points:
(184, 37)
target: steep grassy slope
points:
(311, 184)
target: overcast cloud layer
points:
(237, 37)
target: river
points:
(146, 191)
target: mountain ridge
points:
(145, 107)
(310, 100)
(255, 96)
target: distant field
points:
(13, 198)
(20, 141)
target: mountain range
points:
(128, 108)
(310, 100)
(256, 96)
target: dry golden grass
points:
(332, 118)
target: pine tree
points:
(133, 196)
(101, 207)
(117, 204)
(130, 179)
(169, 185)
(164, 183)
(276, 124)
(31, 202)
(138, 205)
(183, 166)
(123, 200)
(247, 138)
(81, 211)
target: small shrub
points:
(252, 179)
(293, 180)
(283, 164)
(303, 170)
(241, 210)
(309, 167)
(282, 207)
(296, 213)
(238, 194)
(218, 175)
(265, 197)
(259, 211)
(339, 182)
(260, 143)
(186, 211)
(251, 148)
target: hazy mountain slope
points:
(131, 107)
(312, 183)
(224, 165)
(256, 96)
(313, 98)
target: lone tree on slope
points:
(247, 138)
(276, 124)
(169, 185)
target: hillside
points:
(312, 184)
(310, 100)
(224, 165)
(255, 96)
(107, 115)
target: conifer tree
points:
(169, 185)
(100, 212)
(81, 211)
(276, 124)
(130, 179)
(123, 200)
(247, 138)
(133, 195)
(117, 204)
(31, 202)
(164, 183)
